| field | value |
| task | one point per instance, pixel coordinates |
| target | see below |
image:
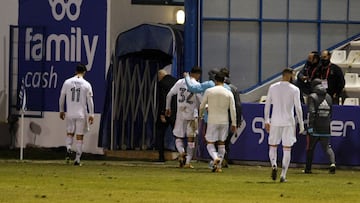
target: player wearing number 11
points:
(79, 99)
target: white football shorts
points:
(284, 134)
(76, 125)
(216, 132)
(185, 127)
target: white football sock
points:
(222, 151)
(79, 145)
(285, 162)
(273, 155)
(68, 142)
(179, 145)
(190, 151)
(212, 151)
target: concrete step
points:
(140, 154)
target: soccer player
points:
(186, 117)
(79, 99)
(219, 101)
(197, 87)
(283, 96)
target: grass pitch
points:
(136, 181)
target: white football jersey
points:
(187, 102)
(284, 97)
(219, 101)
(77, 92)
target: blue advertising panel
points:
(55, 36)
(252, 142)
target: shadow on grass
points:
(54, 153)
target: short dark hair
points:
(219, 77)
(316, 55)
(196, 69)
(225, 71)
(287, 71)
(81, 68)
(212, 74)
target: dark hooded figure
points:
(319, 113)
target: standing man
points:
(166, 82)
(219, 101)
(237, 100)
(197, 87)
(331, 75)
(186, 117)
(320, 110)
(307, 73)
(283, 97)
(79, 99)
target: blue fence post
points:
(191, 42)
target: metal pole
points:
(22, 136)
(4, 80)
(112, 114)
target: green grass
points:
(136, 181)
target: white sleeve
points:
(298, 109)
(203, 103)
(232, 110)
(90, 101)
(199, 98)
(62, 99)
(267, 107)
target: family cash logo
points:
(56, 35)
(70, 44)
(69, 8)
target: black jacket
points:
(334, 76)
(307, 71)
(164, 87)
(319, 110)
(237, 102)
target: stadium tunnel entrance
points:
(128, 121)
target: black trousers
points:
(160, 135)
(227, 146)
(310, 147)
